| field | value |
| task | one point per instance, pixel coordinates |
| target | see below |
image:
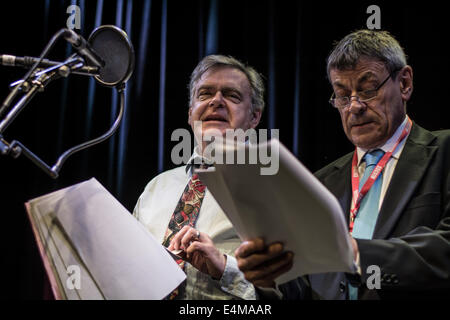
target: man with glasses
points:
(394, 188)
(178, 209)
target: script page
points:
(122, 257)
(57, 252)
(291, 206)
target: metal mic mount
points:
(28, 62)
(35, 81)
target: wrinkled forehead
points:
(364, 69)
(225, 74)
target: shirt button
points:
(342, 286)
(394, 279)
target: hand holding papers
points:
(291, 206)
(85, 226)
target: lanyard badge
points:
(358, 195)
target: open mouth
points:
(215, 117)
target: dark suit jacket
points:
(411, 240)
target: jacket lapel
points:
(411, 166)
(339, 183)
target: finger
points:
(181, 254)
(257, 259)
(207, 258)
(189, 236)
(283, 269)
(269, 281)
(248, 247)
(271, 269)
(197, 246)
(174, 244)
(176, 240)
(206, 248)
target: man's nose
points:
(356, 106)
(218, 100)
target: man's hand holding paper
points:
(198, 249)
(261, 263)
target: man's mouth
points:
(215, 117)
(361, 124)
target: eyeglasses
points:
(362, 96)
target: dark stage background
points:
(287, 41)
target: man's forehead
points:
(223, 73)
(365, 69)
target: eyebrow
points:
(224, 89)
(230, 89)
(205, 87)
(369, 75)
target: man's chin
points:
(215, 130)
(367, 142)
(366, 136)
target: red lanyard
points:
(359, 195)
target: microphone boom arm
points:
(16, 148)
(55, 169)
(42, 78)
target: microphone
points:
(84, 49)
(28, 62)
(109, 49)
(108, 53)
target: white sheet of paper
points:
(291, 206)
(57, 252)
(123, 257)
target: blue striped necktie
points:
(368, 211)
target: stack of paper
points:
(93, 248)
(291, 206)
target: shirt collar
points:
(388, 144)
(196, 158)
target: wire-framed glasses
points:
(341, 102)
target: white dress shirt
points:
(155, 208)
(388, 170)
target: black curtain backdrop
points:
(287, 41)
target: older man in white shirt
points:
(224, 94)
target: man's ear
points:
(406, 82)
(189, 116)
(256, 117)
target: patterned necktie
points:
(368, 211)
(187, 209)
(186, 213)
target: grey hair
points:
(212, 61)
(380, 45)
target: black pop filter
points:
(113, 46)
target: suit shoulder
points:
(338, 163)
(443, 135)
(443, 142)
(423, 136)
